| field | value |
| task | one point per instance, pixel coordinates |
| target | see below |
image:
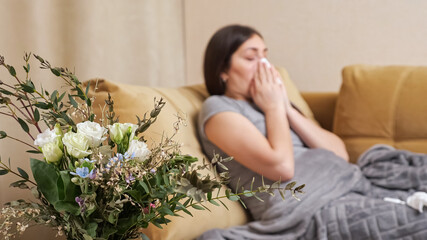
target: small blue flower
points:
(87, 160)
(153, 171)
(82, 172)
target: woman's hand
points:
(267, 93)
(279, 81)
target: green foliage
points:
(94, 193)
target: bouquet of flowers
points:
(98, 179)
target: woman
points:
(249, 116)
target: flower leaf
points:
(72, 101)
(12, 71)
(23, 173)
(46, 177)
(56, 71)
(33, 151)
(68, 206)
(3, 134)
(198, 207)
(3, 172)
(23, 125)
(36, 115)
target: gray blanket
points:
(343, 201)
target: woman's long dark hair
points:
(218, 54)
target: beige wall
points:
(315, 39)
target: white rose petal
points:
(139, 150)
(77, 144)
(46, 137)
(93, 132)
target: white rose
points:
(52, 152)
(139, 150)
(77, 144)
(93, 132)
(119, 130)
(47, 136)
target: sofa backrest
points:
(382, 104)
(131, 100)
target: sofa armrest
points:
(323, 107)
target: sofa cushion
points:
(382, 104)
(131, 100)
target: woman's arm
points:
(315, 136)
(271, 157)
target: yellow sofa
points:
(375, 105)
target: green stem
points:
(23, 142)
(16, 118)
(13, 172)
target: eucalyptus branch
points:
(23, 142)
(13, 73)
(25, 116)
(5, 167)
(16, 118)
(7, 114)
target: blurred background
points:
(161, 43)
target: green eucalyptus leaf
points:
(61, 97)
(299, 188)
(248, 193)
(20, 184)
(214, 202)
(166, 211)
(3, 172)
(39, 58)
(87, 87)
(223, 204)
(282, 194)
(23, 125)
(56, 71)
(198, 207)
(27, 88)
(3, 134)
(72, 101)
(33, 151)
(234, 198)
(53, 96)
(36, 115)
(80, 93)
(12, 71)
(4, 91)
(290, 185)
(43, 105)
(23, 173)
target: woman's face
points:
(243, 65)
